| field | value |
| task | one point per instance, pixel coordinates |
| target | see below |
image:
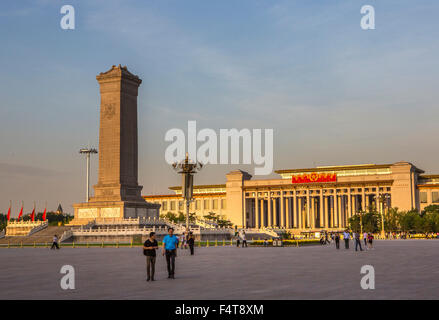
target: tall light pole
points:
(381, 199)
(187, 169)
(87, 152)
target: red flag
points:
(9, 213)
(33, 215)
(44, 215)
(21, 213)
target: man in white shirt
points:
(346, 237)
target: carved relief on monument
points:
(108, 110)
(110, 213)
(87, 213)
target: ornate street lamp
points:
(187, 169)
(87, 152)
(381, 199)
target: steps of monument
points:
(43, 236)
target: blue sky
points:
(332, 92)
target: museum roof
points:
(336, 168)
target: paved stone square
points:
(404, 269)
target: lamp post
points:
(187, 169)
(87, 152)
(381, 199)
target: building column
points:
(308, 217)
(276, 213)
(367, 203)
(257, 211)
(288, 213)
(245, 212)
(349, 204)
(363, 200)
(263, 221)
(354, 205)
(269, 207)
(299, 212)
(340, 220)
(282, 217)
(321, 214)
(377, 201)
(294, 213)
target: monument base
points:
(112, 210)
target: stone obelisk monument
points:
(117, 193)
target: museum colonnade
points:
(310, 208)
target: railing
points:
(205, 224)
(66, 235)
(141, 231)
(125, 221)
(42, 226)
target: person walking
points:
(183, 241)
(170, 242)
(346, 237)
(191, 242)
(244, 240)
(326, 239)
(337, 241)
(149, 250)
(357, 242)
(365, 239)
(370, 240)
(237, 239)
(55, 243)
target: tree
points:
(391, 220)
(355, 223)
(430, 222)
(433, 208)
(211, 216)
(3, 221)
(371, 221)
(410, 221)
(223, 223)
(170, 216)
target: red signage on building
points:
(314, 177)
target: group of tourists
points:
(355, 236)
(170, 246)
(241, 237)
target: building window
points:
(223, 203)
(435, 197)
(164, 205)
(180, 205)
(172, 205)
(206, 204)
(215, 204)
(423, 196)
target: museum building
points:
(309, 199)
